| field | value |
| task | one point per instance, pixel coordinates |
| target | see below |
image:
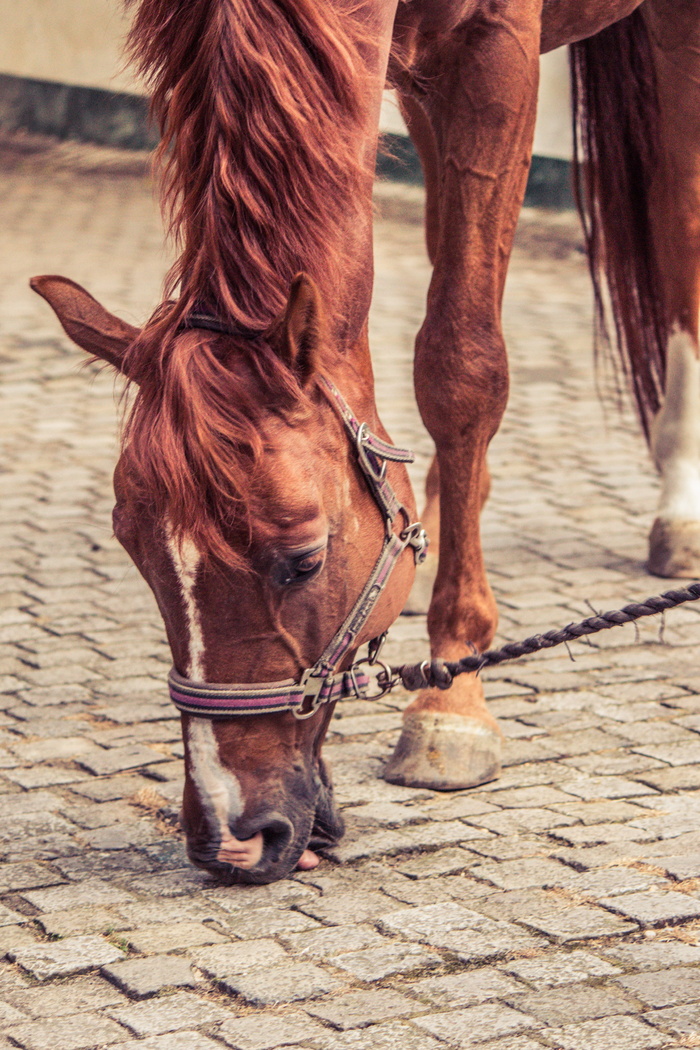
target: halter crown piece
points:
(322, 684)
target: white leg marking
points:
(219, 790)
(675, 433)
(186, 559)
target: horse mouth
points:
(283, 845)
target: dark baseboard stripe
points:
(107, 118)
(69, 111)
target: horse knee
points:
(461, 382)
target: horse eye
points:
(299, 568)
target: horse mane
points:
(261, 107)
(193, 441)
(263, 117)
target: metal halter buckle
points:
(313, 686)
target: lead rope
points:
(440, 673)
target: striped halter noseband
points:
(322, 683)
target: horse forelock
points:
(262, 109)
(193, 446)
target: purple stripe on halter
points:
(242, 702)
(287, 698)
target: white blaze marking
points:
(675, 433)
(219, 790)
(186, 559)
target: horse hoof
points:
(445, 752)
(418, 601)
(674, 548)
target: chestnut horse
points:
(263, 516)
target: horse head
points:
(240, 500)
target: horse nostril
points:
(277, 831)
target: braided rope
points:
(440, 673)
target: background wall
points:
(61, 72)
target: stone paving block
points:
(441, 862)
(265, 1031)
(63, 958)
(113, 788)
(475, 1023)
(390, 813)
(568, 1003)
(10, 1015)
(171, 936)
(330, 942)
(30, 802)
(425, 891)
(373, 964)
(622, 1033)
(280, 983)
(241, 899)
(67, 1033)
(8, 917)
(655, 908)
(119, 759)
(618, 835)
(169, 1013)
(91, 893)
(12, 937)
(606, 787)
(670, 987)
(675, 754)
(187, 1040)
(529, 797)
(654, 955)
(559, 967)
(557, 917)
(609, 881)
(465, 989)
(74, 921)
(679, 778)
(44, 776)
(239, 957)
(517, 1042)
(602, 811)
(516, 874)
(142, 978)
(74, 996)
(686, 866)
(433, 920)
(347, 907)
(491, 940)
(391, 1035)
(361, 1008)
(678, 1020)
(268, 922)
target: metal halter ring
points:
(386, 679)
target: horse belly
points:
(565, 21)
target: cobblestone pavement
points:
(558, 907)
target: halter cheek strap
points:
(322, 684)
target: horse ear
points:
(86, 322)
(301, 328)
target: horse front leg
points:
(481, 105)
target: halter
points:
(322, 684)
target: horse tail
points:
(261, 106)
(617, 135)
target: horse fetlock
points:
(445, 752)
(674, 548)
